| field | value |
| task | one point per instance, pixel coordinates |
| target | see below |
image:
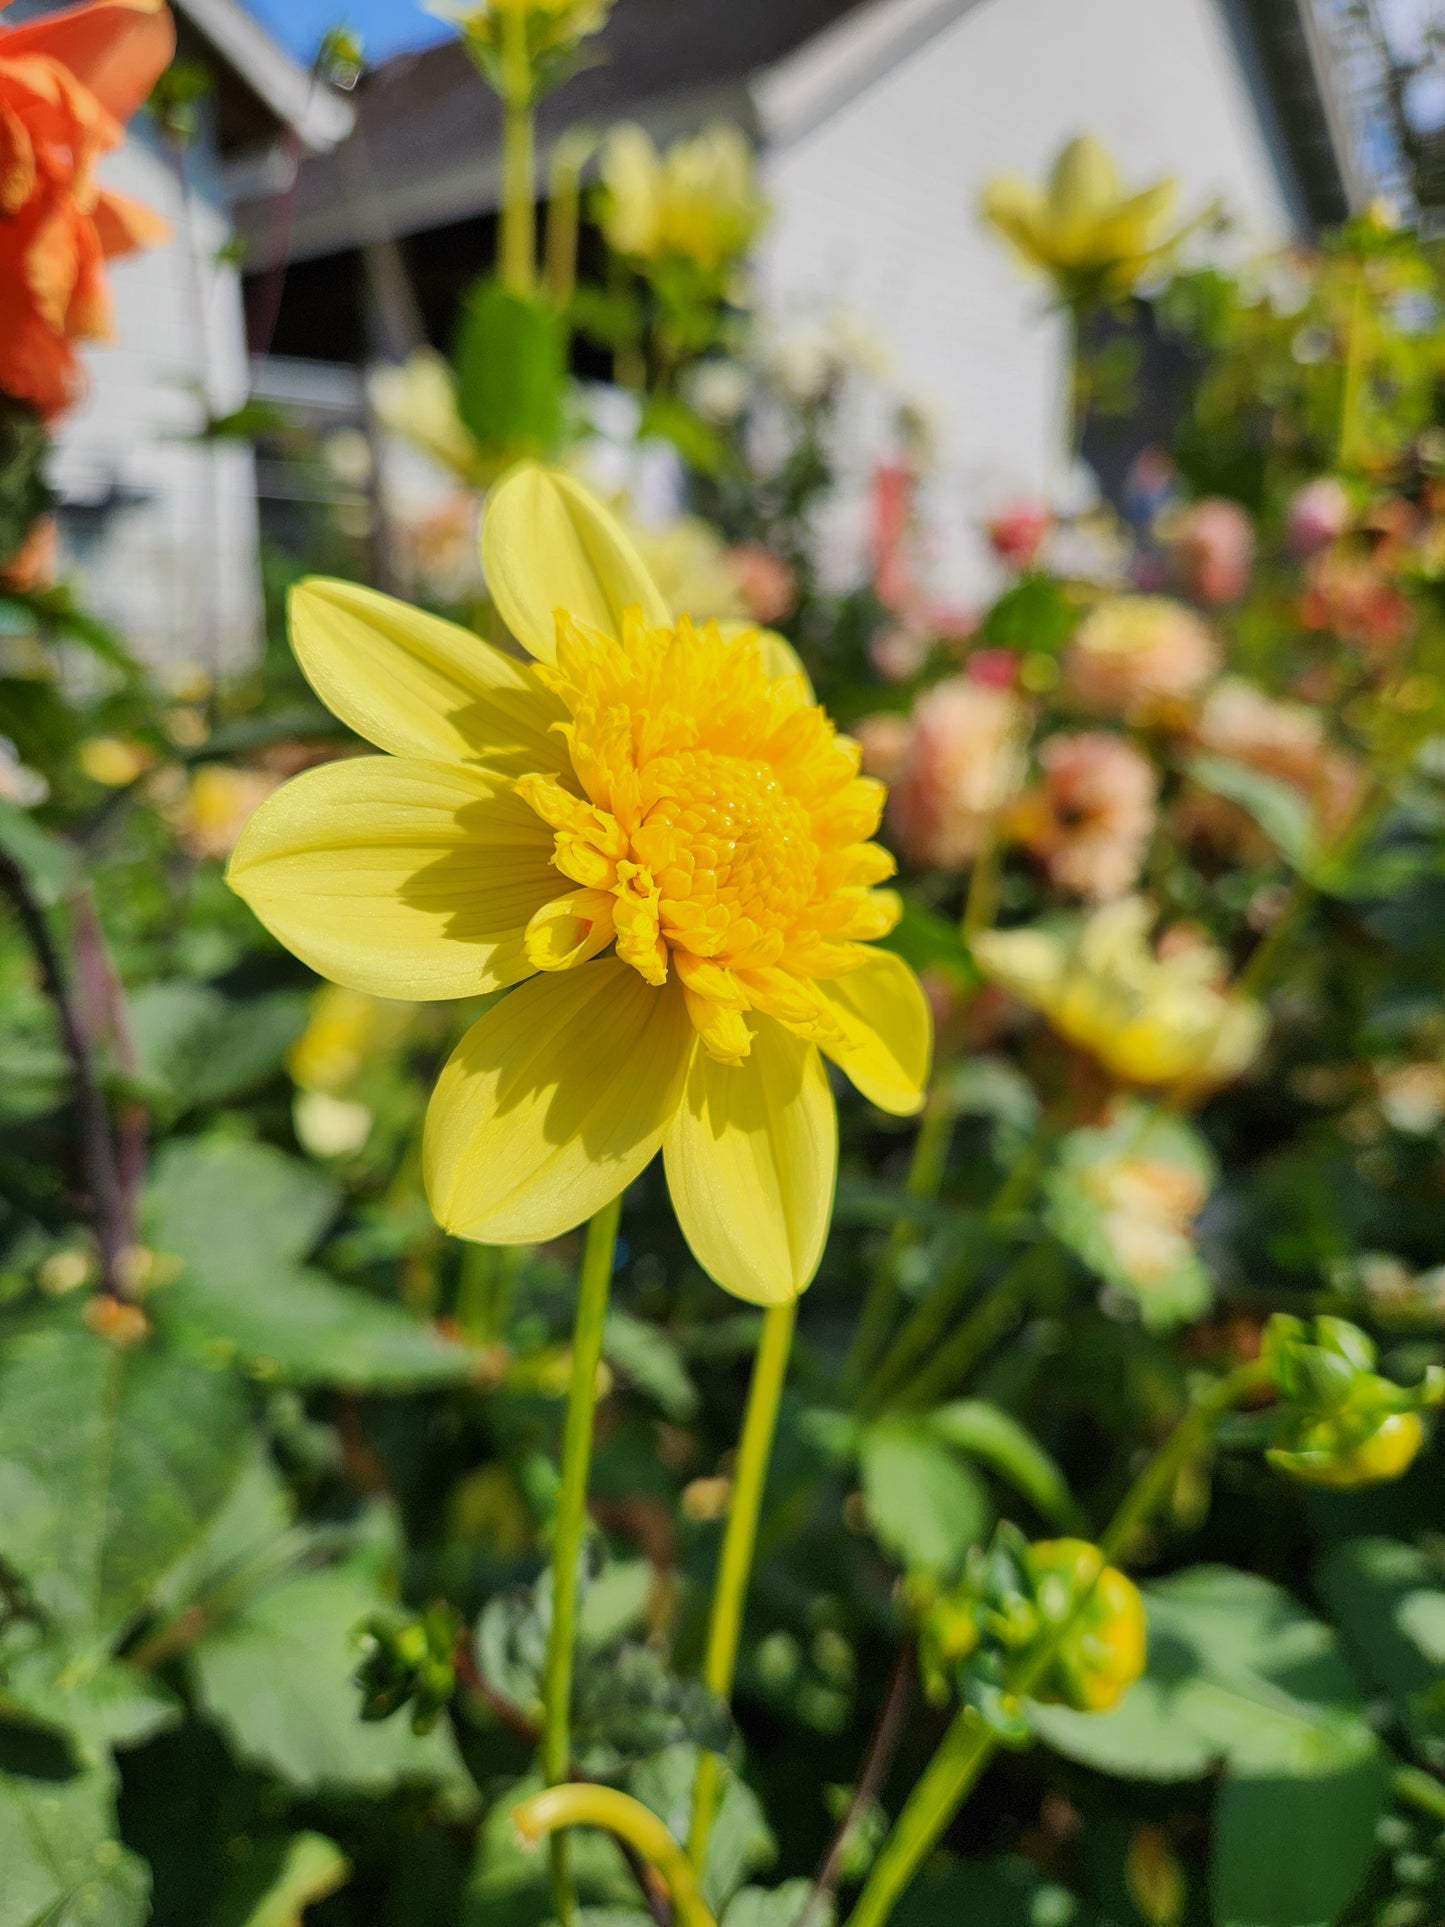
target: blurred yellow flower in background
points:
(1148, 1019)
(710, 830)
(1090, 235)
(1133, 654)
(217, 805)
(417, 399)
(699, 201)
(551, 26)
(345, 1029)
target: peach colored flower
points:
(766, 583)
(1287, 740)
(68, 83)
(885, 741)
(1211, 549)
(965, 763)
(1091, 819)
(34, 563)
(1346, 596)
(1135, 652)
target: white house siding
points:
(173, 567)
(874, 167)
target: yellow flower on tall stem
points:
(651, 831)
(699, 202)
(1093, 237)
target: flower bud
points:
(1103, 1652)
(1342, 1425)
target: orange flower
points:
(68, 83)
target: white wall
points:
(177, 573)
(875, 164)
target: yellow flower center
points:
(716, 824)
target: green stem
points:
(982, 900)
(484, 1290)
(630, 1821)
(564, 211)
(1000, 1308)
(1354, 368)
(1422, 1790)
(571, 1522)
(922, 1184)
(517, 238)
(969, 1744)
(770, 1369)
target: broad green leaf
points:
(741, 1842)
(1239, 1675)
(283, 1880)
(96, 1702)
(927, 941)
(59, 1858)
(306, 1328)
(987, 1433)
(198, 1047)
(926, 1506)
(112, 1460)
(651, 1362)
(1389, 1601)
(1280, 810)
(51, 865)
(276, 1676)
(239, 1215)
(780, 1906)
(233, 1209)
(1293, 1851)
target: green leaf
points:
(1293, 1851)
(277, 1676)
(97, 1703)
(1389, 1600)
(283, 1880)
(1280, 811)
(59, 1859)
(926, 941)
(112, 1460)
(741, 1841)
(239, 1215)
(511, 368)
(926, 1506)
(1240, 1675)
(651, 1361)
(197, 1047)
(51, 865)
(1037, 613)
(234, 1209)
(780, 1906)
(987, 1433)
(985, 1893)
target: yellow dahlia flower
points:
(1082, 228)
(700, 200)
(657, 836)
(1148, 1019)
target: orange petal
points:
(116, 48)
(17, 162)
(124, 225)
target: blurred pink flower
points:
(885, 742)
(1318, 515)
(766, 583)
(898, 653)
(890, 524)
(999, 668)
(964, 764)
(1134, 652)
(1285, 740)
(1091, 819)
(1211, 550)
(1347, 596)
(1016, 534)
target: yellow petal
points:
(883, 1013)
(1084, 190)
(571, 929)
(752, 1158)
(779, 656)
(402, 878)
(553, 1102)
(1015, 207)
(418, 686)
(549, 544)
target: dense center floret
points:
(717, 825)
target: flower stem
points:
(970, 1743)
(571, 1521)
(517, 238)
(1001, 1307)
(925, 1176)
(630, 1821)
(770, 1369)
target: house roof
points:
(282, 89)
(428, 129)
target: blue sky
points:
(386, 26)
